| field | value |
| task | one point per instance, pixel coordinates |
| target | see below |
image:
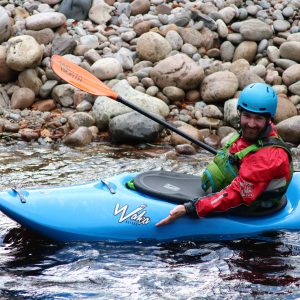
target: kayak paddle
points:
(87, 82)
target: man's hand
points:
(175, 213)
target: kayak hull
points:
(99, 211)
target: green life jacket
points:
(224, 168)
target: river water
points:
(267, 267)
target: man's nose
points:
(251, 122)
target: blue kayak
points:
(107, 210)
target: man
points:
(252, 172)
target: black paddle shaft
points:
(167, 125)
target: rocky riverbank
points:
(184, 61)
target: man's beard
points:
(253, 134)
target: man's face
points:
(252, 125)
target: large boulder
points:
(133, 127)
(177, 70)
(105, 109)
(219, 86)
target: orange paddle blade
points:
(80, 77)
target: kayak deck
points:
(108, 211)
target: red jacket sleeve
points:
(256, 172)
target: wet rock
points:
(153, 47)
(44, 105)
(289, 129)
(290, 50)
(185, 149)
(63, 94)
(255, 30)
(22, 98)
(177, 139)
(6, 74)
(106, 68)
(23, 52)
(62, 45)
(29, 78)
(5, 25)
(81, 119)
(79, 137)
(28, 134)
(100, 13)
(75, 9)
(178, 70)
(139, 7)
(45, 20)
(11, 127)
(133, 127)
(219, 86)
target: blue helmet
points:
(258, 98)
